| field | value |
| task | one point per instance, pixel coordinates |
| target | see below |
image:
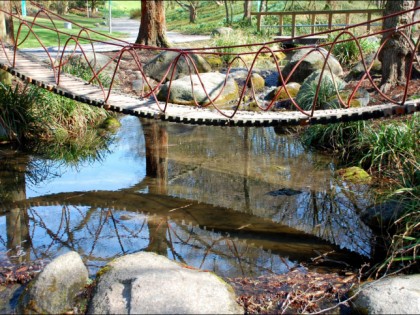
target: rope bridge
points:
(50, 75)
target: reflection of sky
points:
(122, 167)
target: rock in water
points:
(54, 290)
(148, 283)
(392, 295)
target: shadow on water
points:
(237, 201)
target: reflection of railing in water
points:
(150, 107)
(100, 235)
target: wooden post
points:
(347, 19)
(259, 22)
(281, 24)
(368, 24)
(330, 16)
(313, 18)
(293, 25)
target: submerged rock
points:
(284, 192)
(54, 290)
(393, 295)
(149, 283)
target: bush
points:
(327, 94)
(393, 150)
(35, 115)
(347, 51)
(15, 102)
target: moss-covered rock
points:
(257, 81)
(354, 174)
(54, 290)
(111, 124)
(291, 87)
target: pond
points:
(237, 201)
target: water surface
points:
(237, 201)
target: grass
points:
(391, 151)
(60, 120)
(49, 37)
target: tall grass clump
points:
(344, 139)
(347, 51)
(78, 67)
(15, 103)
(327, 93)
(393, 150)
(32, 115)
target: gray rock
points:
(157, 67)
(359, 70)
(314, 61)
(222, 31)
(8, 297)
(152, 284)
(54, 290)
(183, 94)
(240, 75)
(140, 85)
(383, 214)
(396, 295)
(97, 61)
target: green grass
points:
(49, 37)
(121, 8)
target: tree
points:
(192, 7)
(229, 11)
(247, 11)
(152, 24)
(6, 34)
(396, 53)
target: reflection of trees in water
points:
(101, 234)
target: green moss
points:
(291, 87)
(355, 174)
(111, 124)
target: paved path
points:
(123, 25)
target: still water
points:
(236, 201)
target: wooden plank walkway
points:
(35, 72)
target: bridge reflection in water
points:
(238, 201)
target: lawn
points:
(43, 29)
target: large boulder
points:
(147, 283)
(182, 92)
(55, 289)
(393, 295)
(358, 69)
(311, 63)
(157, 67)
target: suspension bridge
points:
(50, 75)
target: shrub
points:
(347, 51)
(327, 94)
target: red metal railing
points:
(121, 48)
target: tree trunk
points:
(193, 13)
(152, 24)
(395, 55)
(6, 35)
(247, 10)
(227, 13)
